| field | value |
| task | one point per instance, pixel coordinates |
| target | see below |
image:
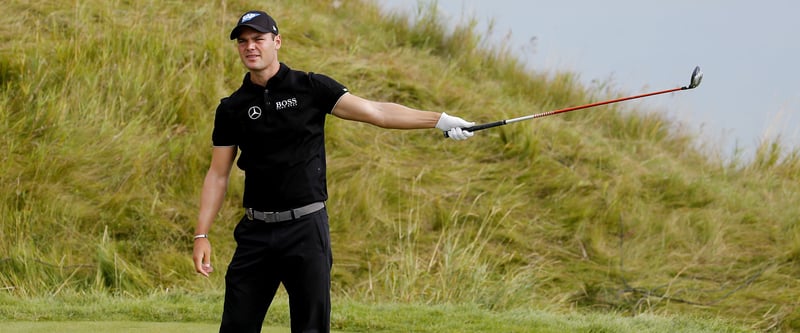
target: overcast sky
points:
(748, 50)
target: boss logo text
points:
(287, 103)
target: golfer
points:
(276, 120)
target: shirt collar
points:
(273, 81)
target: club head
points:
(697, 77)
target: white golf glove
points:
(453, 126)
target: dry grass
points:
(107, 110)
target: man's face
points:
(258, 50)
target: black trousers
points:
(296, 253)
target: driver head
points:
(697, 76)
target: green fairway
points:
(116, 326)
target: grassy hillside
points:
(107, 109)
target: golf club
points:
(697, 76)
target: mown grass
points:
(120, 327)
(107, 108)
(175, 311)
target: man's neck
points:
(262, 76)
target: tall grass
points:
(107, 109)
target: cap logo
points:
(249, 16)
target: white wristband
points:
(200, 236)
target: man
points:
(276, 118)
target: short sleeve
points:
(327, 90)
(226, 128)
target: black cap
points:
(257, 20)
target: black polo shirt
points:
(280, 132)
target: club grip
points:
(480, 127)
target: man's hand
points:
(202, 256)
(454, 127)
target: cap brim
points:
(238, 30)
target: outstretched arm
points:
(396, 116)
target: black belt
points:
(287, 215)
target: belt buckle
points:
(249, 213)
